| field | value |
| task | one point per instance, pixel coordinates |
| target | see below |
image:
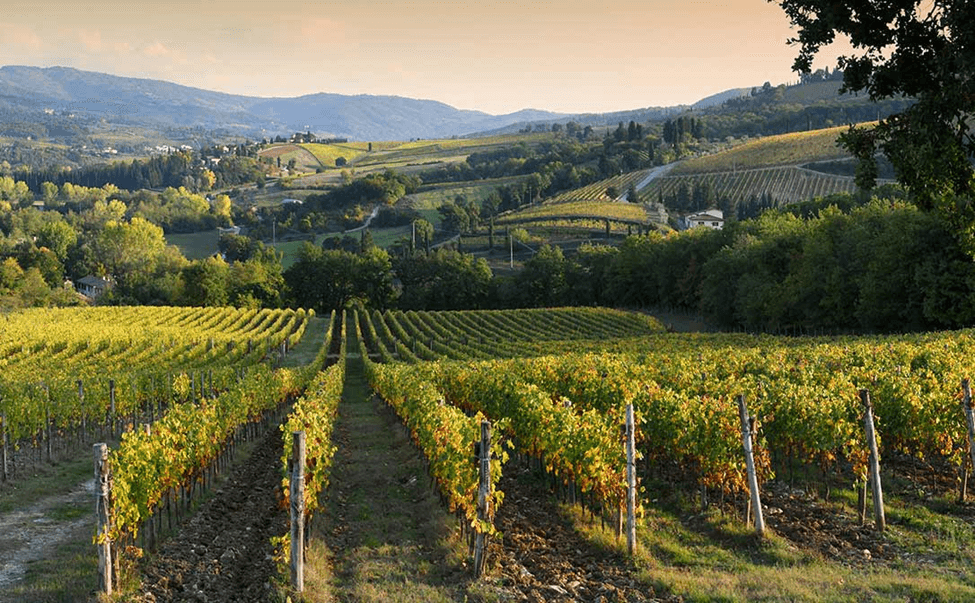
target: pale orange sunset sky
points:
(494, 55)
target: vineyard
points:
(590, 210)
(788, 184)
(64, 368)
(781, 150)
(564, 412)
(597, 190)
(805, 394)
(507, 408)
(588, 207)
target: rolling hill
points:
(63, 96)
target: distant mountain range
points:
(92, 99)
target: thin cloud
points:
(315, 31)
(90, 39)
(16, 35)
(156, 49)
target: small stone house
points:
(92, 287)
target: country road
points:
(365, 225)
(655, 173)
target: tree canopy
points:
(907, 48)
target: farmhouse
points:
(712, 218)
(92, 286)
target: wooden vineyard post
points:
(81, 405)
(103, 488)
(746, 441)
(297, 494)
(877, 490)
(630, 481)
(3, 445)
(483, 498)
(47, 430)
(969, 418)
(111, 406)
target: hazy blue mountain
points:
(153, 103)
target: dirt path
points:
(382, 525)
(657, 172)
(224, 552)
(365, 225)
(39, 531)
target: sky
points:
(496, 56)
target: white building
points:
(712, 218)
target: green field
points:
(195, 245)
(328, 153)
(305, 160)
(429, 153)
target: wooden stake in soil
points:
(969, 418)
(3, 445)
(111, 406)
(297, 494)
(630, 481)
(81, 405)
(878, 493)
(103, 489)
(483, 498)
(862, 501)
(47, 427)
(746, 441)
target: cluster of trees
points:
(697, 197)
(99, 241)
(767, 116)
(701, 195)
(118, 235)
(884, 266)
(684, 128)
(337, 278)
(385, 188)
(174, 169)
(173, 209)
(464, 215)
(183, 168)
(179, 210)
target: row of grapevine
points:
(171, 455)
(443, 433)
(581, 445)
